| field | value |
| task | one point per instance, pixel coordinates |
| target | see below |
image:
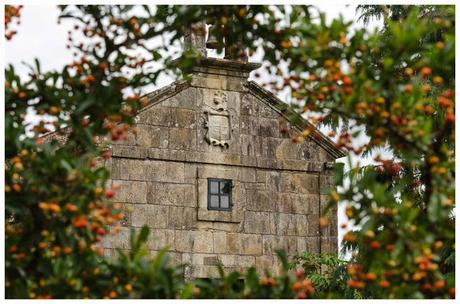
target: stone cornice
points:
(225, 64)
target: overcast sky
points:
(39, 36)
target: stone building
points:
(215, 175)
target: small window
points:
(219, 194)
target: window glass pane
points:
(213, 187)
(214, 201)
(224, 203)
(225, 187)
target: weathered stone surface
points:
(182, 217)
(152, 136)
(308, 244)
(156, 216)
(162, 171)
(160, 238)
(131, 191)
(258, 222)
(193, 241)
(258, 200)
(273, 242)
(171, 194)
(182, 139)
(238, 243)
(298, 203)
(156, 116)
(299, 183)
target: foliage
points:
(400, 91)
(327, 273)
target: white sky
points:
(39, 36)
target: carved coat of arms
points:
(217, 121)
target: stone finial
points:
(195, 37)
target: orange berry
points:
(323, 221)
(440, 284)
(306, 284)
(90, 78)
(13, 248)
(426, 286)
(375, 245)
(409, 71)
(408, 88)
(56, 250)
(438, 245)
(67, 250)
(350, 237)
(98, 191)
(384, 284)
(43, 205)
(370, 234)
(129, 287)
(55, 208)
(347, 81)
(22, 95)
(425, 71)
(301, 295)
(54, 110)
(433, 160)
(299, 274)
(71, 207)
(265, 281)
(113, 294)
(450, 118)
(379, 133)
(297, 286)
(371, 276)
(444, 102)
(42, 245)
(426, 88)
(101, 231)
(100, 251)
(347, 90)
(80, 222)
(437, 80)
(389, 247)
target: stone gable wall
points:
(279, 186)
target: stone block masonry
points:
(279, 188)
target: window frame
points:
(219, 194)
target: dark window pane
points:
(225, 187)
(213, 187)
(224, 202)
(214, 201)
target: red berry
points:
(450, 118)
(109, 193)
(301, 295)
